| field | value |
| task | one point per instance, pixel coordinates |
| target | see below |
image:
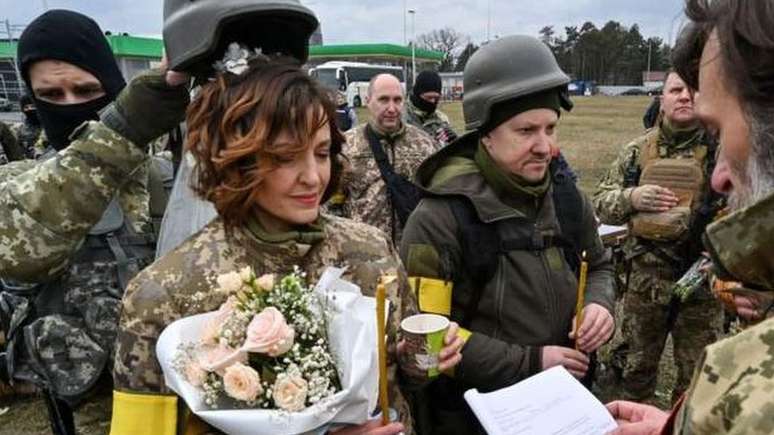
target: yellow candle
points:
(382, 348)
(584, 269)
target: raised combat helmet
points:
(197, 32)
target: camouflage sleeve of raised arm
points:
(134, 199)
(612, 200)
(45, 212)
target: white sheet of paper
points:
(606, 230)
(552, 402)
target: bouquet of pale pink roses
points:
(268, 348)
(249, 353)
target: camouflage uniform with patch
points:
(436, 124)
(181, 283)
(363, 193)
(731, 392)
(650, 312)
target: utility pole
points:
(650, 43)
(404, 22)
(413, 47)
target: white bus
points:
(352, 78)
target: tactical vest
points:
(60, 334)
(685, 176)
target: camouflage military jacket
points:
(46, 209)
(180, 284)
(364, 191)
(436, 124)
(612, 200)
(731, 392)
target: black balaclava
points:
(76, 39)
(427, 81)
(30, 115)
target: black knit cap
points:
(549, 99)
(73, 38)
(427, 81)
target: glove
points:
(147, 108)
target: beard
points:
(757, 175)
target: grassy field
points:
(590, 136)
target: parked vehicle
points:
(352, 78)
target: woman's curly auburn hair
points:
(234, 122)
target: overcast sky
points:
(353, 21)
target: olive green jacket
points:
(530, 303)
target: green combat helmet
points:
(505, 69)
(197, 32)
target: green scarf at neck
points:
(305, 234)
(504, 183)
(390, 137)
(679, 138)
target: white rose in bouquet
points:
(242, 382)
(290, 391)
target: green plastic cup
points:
(423, 335)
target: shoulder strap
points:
(480, 245)
(385, 168)
(649, 148)
(568, 204)
(404, 195)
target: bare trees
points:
(448, 41)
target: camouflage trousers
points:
(698, 322)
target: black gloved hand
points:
(147, 108)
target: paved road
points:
(10, 116)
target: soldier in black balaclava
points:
(422, 108)
(69, 70)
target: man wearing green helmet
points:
(496, 241)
